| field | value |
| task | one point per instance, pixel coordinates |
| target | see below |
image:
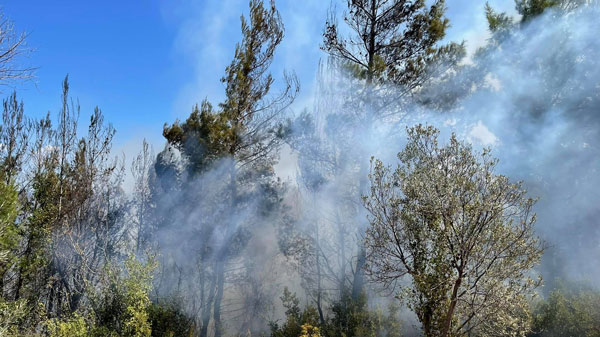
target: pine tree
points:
(238, 143)
(392, 41)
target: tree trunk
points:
(427, 324)
(342, 259)
(51, 300)
(359, 274)
(202, 296)
(372, 35)
(207, 306)
(358, 282)
(450, 313)
(26, 255)
(219, 298)
(318, 261)
(224, 254)
(361, 260)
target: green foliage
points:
(12, 313)
(567, 312)
(138, 284)
(55, 233)
(243, 134)
(14, 130)
(392, 41)
(122, 305)
(209, 135)
(11, 316)
(349, 318)
(497, 21)
(310, 331)
(244, 76)
(203, 138)
(354, 318)
(463, 234)
(295, 317)
(169, 320)
(529, 9)
(75, 326)
(120, 308)
(388, 321)
(36, 229)
(377, 70)
(8, 230)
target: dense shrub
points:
(568, 312)
(168, 319)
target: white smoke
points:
(535, 100)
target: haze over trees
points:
(211, 241)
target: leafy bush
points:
(295, 317)
(347, 318)
(169, 320)
(354, 318)
(122, 306)
(310, 331)
(568, 312)
(75, 326)
(11, 315)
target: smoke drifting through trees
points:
(542, 126)
(230, 235)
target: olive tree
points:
(456, 238)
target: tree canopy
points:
(462, 233)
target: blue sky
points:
(147, 62)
